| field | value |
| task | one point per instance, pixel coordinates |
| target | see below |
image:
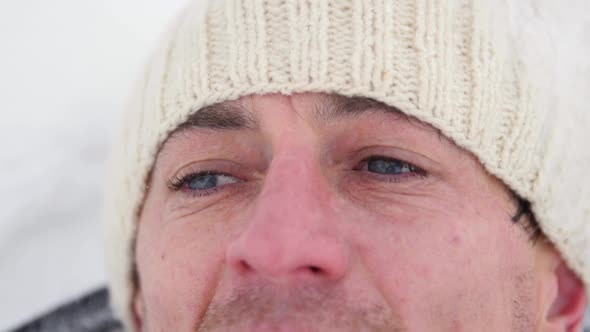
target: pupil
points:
(383, 166)
(204, 181)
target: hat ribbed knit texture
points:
(439, 61)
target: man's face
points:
(321, 213)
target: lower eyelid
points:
(394, 178)
(201, 193)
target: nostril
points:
(315, 269)
(244, 266)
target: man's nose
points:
(292, 234)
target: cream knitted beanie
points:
(445, 62)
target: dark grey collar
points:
(90, 313)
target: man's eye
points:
(202, 181)
(387, 166)
(208, 181)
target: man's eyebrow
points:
(335, 107)
(234, 116)
(221, 116)
(330, 107)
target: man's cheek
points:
(423, 265)
(179, 272)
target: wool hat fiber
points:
(445, 62)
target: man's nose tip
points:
(282, 262)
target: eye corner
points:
(175, 183)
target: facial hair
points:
(302, 309)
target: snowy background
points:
(66, 69)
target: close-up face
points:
(315, 212)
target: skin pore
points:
(316, 212)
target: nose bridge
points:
(296, 181)
(293, 230)
(296, 199)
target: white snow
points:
(66, 70)
(66, 67)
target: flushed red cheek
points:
(178, 262)
(418, 261)
(178, 287)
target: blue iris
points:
(203, 182)
(388, 166)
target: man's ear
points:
(562, 297)
(138, 310)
